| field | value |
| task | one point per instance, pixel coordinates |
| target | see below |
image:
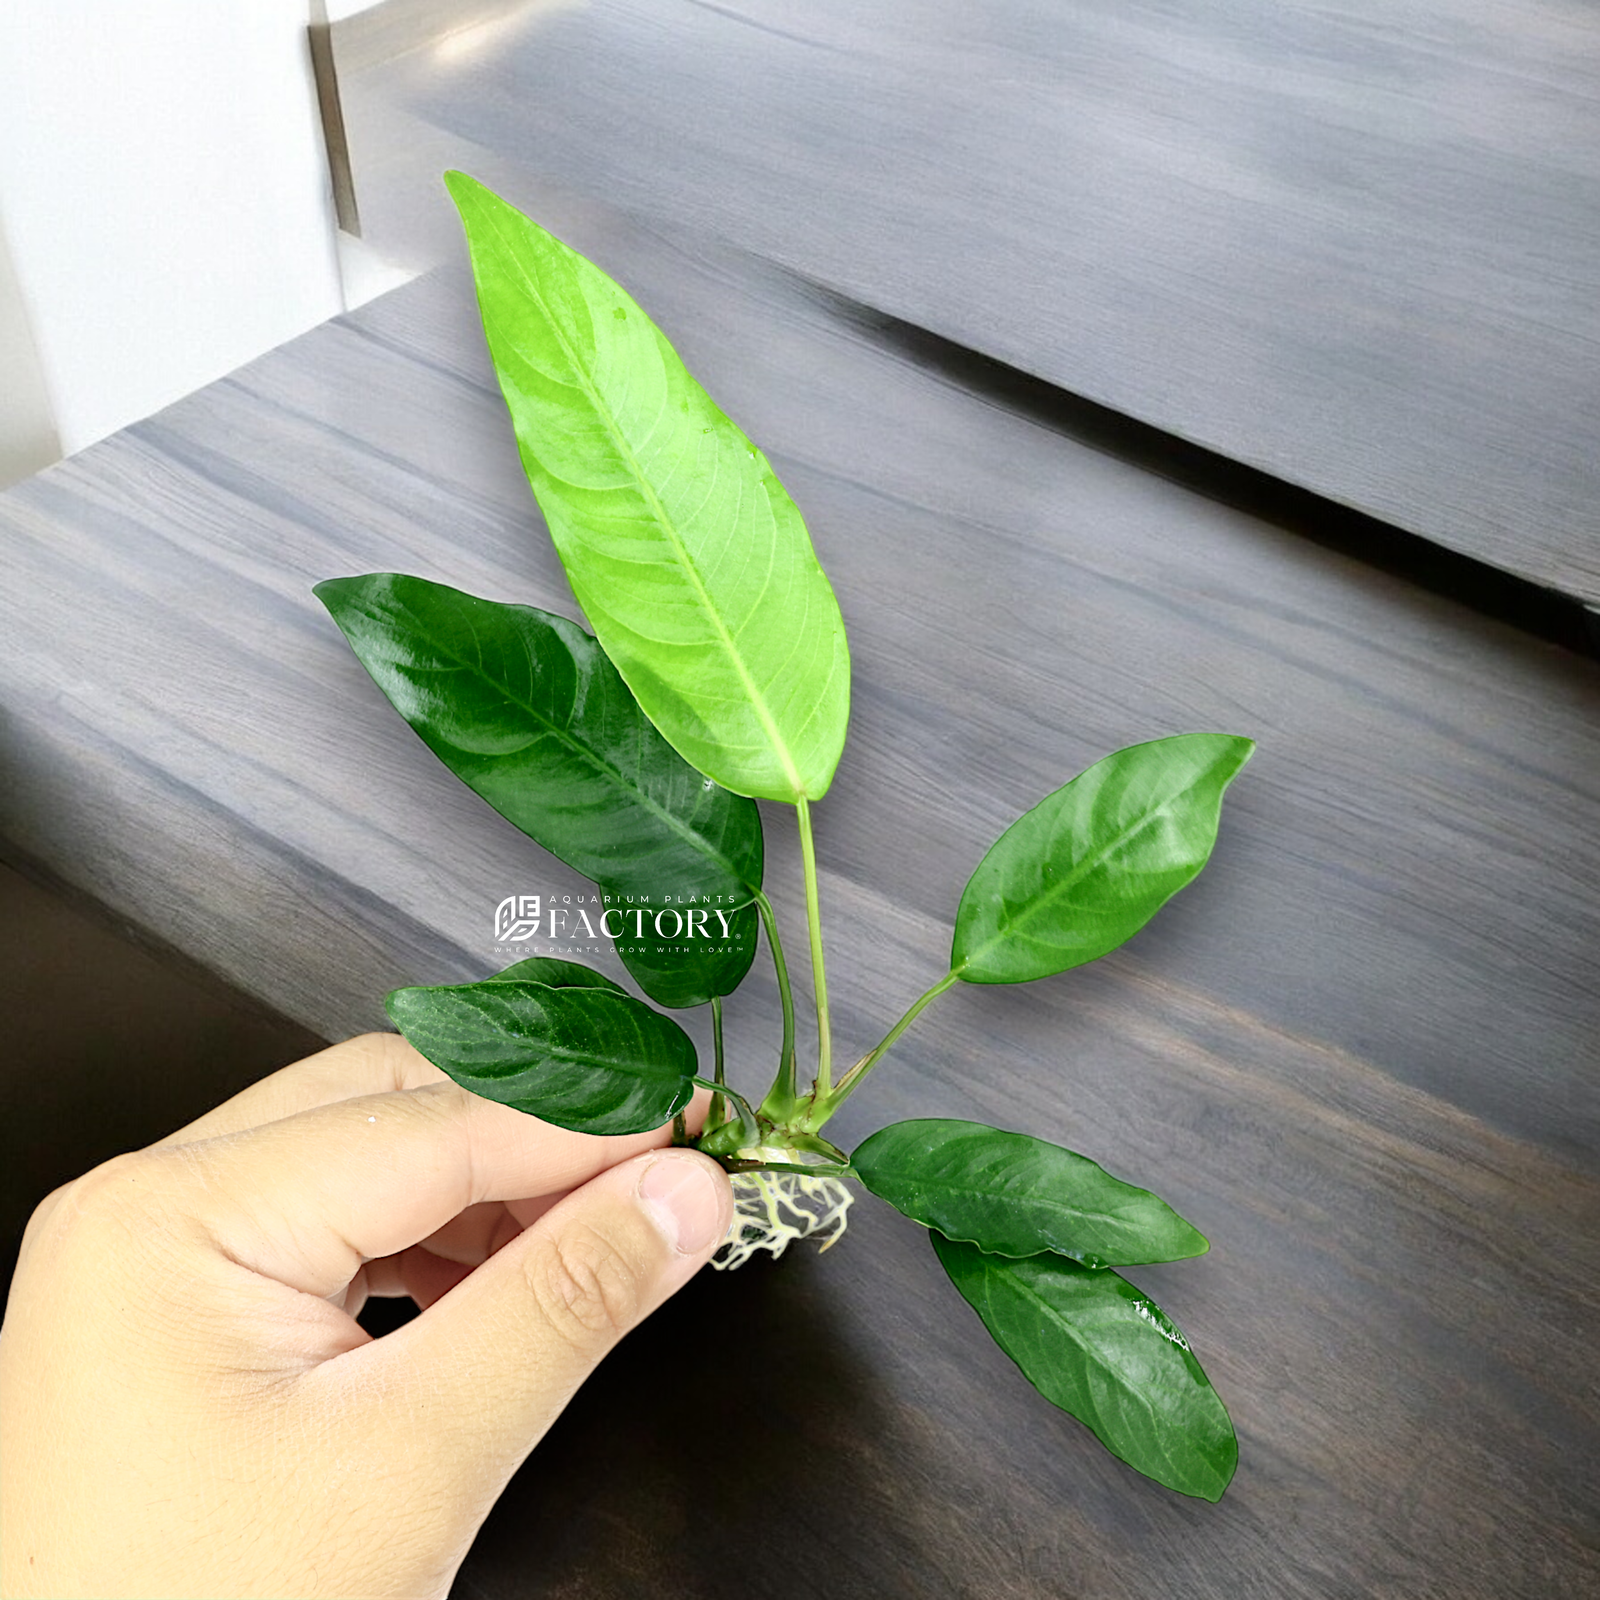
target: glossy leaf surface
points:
(1091, 863)
(687, 555)
(524, 707)
(590, 1059)
(1092, 1344)
(1014, 1195)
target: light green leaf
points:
(687, 555)
(1093, 862)
(1092, 1344)
(1014, 1195)
(590, 1059)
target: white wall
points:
(27, 422)
(164, 193)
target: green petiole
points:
(824, 1107)
(819, 978)
(718, 1110)
(781, 1099)
(744, 1119)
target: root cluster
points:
(772, 1209)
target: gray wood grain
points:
(1356, 246)
(1358, 1052)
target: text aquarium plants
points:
(717, 673)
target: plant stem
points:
(784, 1091)
(819, 978)
(718, 1111)
(825, 1106)
(749, 1126)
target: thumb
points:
(490, 1366)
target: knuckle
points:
(109, 1189)
(585, 1286)
(114, 1200)
(46, 1209)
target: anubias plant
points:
(717, 674)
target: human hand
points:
(188, 1405)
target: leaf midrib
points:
(565, 1056)
(1046, 1203)
(659, 511)
(573, 1055)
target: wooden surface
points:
(1358, 1052)
(1356, 245)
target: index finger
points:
(308, 1198)
(371, 1063)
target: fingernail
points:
(684, 1199)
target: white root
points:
(772, 1209)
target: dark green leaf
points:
(589, 1059)
(687, 555)
(1015, 1195)
(670, 973)
(1092, 1344)
(555, 974)
(525, 708)
(1093, 862)
(687, 970)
